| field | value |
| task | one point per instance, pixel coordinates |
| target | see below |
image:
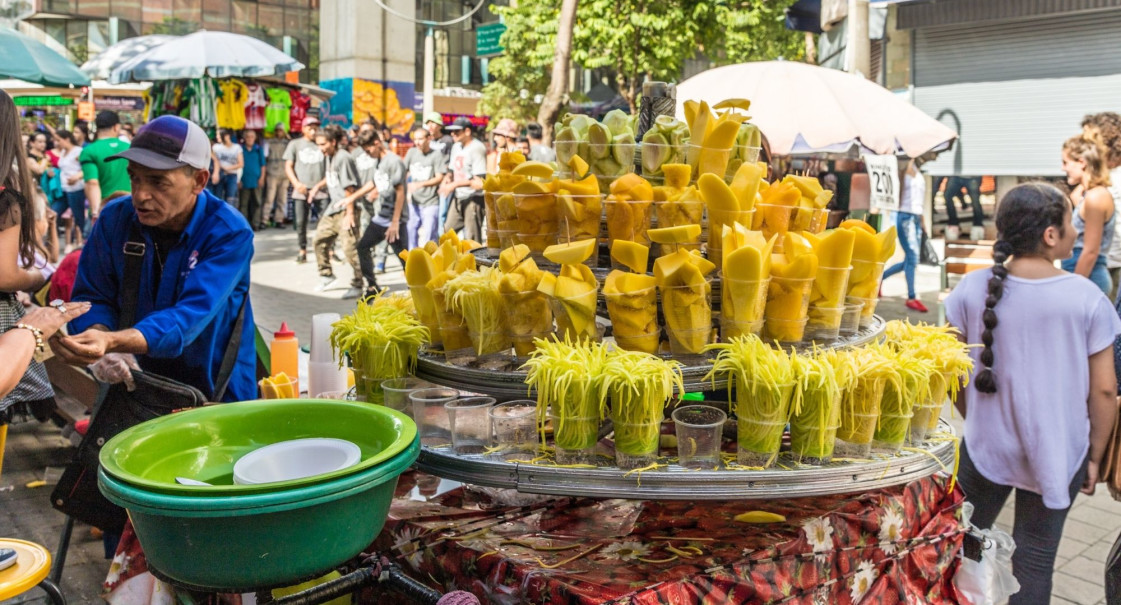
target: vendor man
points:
(194, 279)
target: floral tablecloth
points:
(896, 545)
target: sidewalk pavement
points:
(284, 291)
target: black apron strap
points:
(134, 250)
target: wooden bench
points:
(962, 256)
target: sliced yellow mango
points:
(853, 223)
(743, 104)
(572, 252)
(511, 257)
(808, 185)
(578, 166)
(677, 175)
(759, 516)
(631, 255)
(548, 284)
(716, 194)
(532, 188)
(834, 248)
(745, 184)
(510, 160)
(534, 170)
(420, 267)
(683, 234)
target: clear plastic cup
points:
(850, 319)
(678, 214)
(830, 286)
(772, 218)
(628, 220)
(575, 438)
(788, 298)
(636, 444)
(734, 329)
(581, 216)
(699, 429)
(922, 417)
(761, 415)
(859, 442)
(564, 309)
(527, 313)
(646, 342)
(430, 416)
(824, 323)
(784, 331)
(469, 419)
(284, 389)
(717, 220)
(525, 344)
(507, 238)
(537, 242)
(514, 425)
(812, 445)
(611, 160)
(425, 305)
(592, 262)
(708, 160)
(742, 304)
(634, 319)
(864, 284)
(892, 430)
(688, 317)
(688, 345)
(395, 392)
(489, 343)
(489, 198)
(347, 395)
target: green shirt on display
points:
(278, 110)
(111, 175)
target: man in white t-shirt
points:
(468, 167)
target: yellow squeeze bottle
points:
(285, 354)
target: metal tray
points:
(677, 483)
(499, 375)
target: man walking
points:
(468, 167)
(305, 167)
(193, 278)
(426, 170)
(105, 180)
(388, 217)
(538, 151)
(336, 223)
(442, 142)
(276, 180)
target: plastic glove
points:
(114, 368)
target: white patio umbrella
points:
(101, 65)
(217, 54)
(804, 109)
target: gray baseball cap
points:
(167, 143)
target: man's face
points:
(460, 135)
(250, 137)
(326, 145)
(165, 198)
(374, 149)
(310, 131)
(433, 128)
(421, 140)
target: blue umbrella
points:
(216, 54)
(27, 59)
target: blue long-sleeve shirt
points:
(188, 321)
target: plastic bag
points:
(988, 581)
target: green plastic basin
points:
(253, 541)
(204, 443)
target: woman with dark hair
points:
(18, 245)
(1094, 217)
(73, 186)
(1041, 405)
(81, 133)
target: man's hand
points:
(261, 182)
(348, 220)
(115, 368)
(214, 179)
(83, 349)
(312, 194)
(301, 188)
(446, 189)
(1091, 479)
(372, 195)
(413, 186)
(392, 233)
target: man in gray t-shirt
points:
(336, 222)
(538, 152)
(468, 168)
(388, 185)
(305, 166)
(426, 170)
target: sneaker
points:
(301, 257)
(370, 293)
(325, 282)
(953, 233)
(977, 233)
(352, 293)
(916, 305)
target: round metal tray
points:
(499, 375)
(677, 483)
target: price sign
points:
(883, 181)
(86, 111)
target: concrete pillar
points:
(858, 52)
(368, 57)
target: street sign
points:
(883, 177)
(488, 39)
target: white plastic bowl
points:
(295, 459)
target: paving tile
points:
(1103, 519)
(1070, 548)
(1083, 532)
(1082, 567)
(1077, 590)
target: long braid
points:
(985, 381)
(1023, 216)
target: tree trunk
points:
(558, 87)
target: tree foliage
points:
(633, 40)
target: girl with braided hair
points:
(1040, 408)
(1094, 218)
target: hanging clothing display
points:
(233, 95)
(255, 106)
(278, 111)
(202, 97)
(300, 104)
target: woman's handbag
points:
(117, 409)
(1110, 470)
